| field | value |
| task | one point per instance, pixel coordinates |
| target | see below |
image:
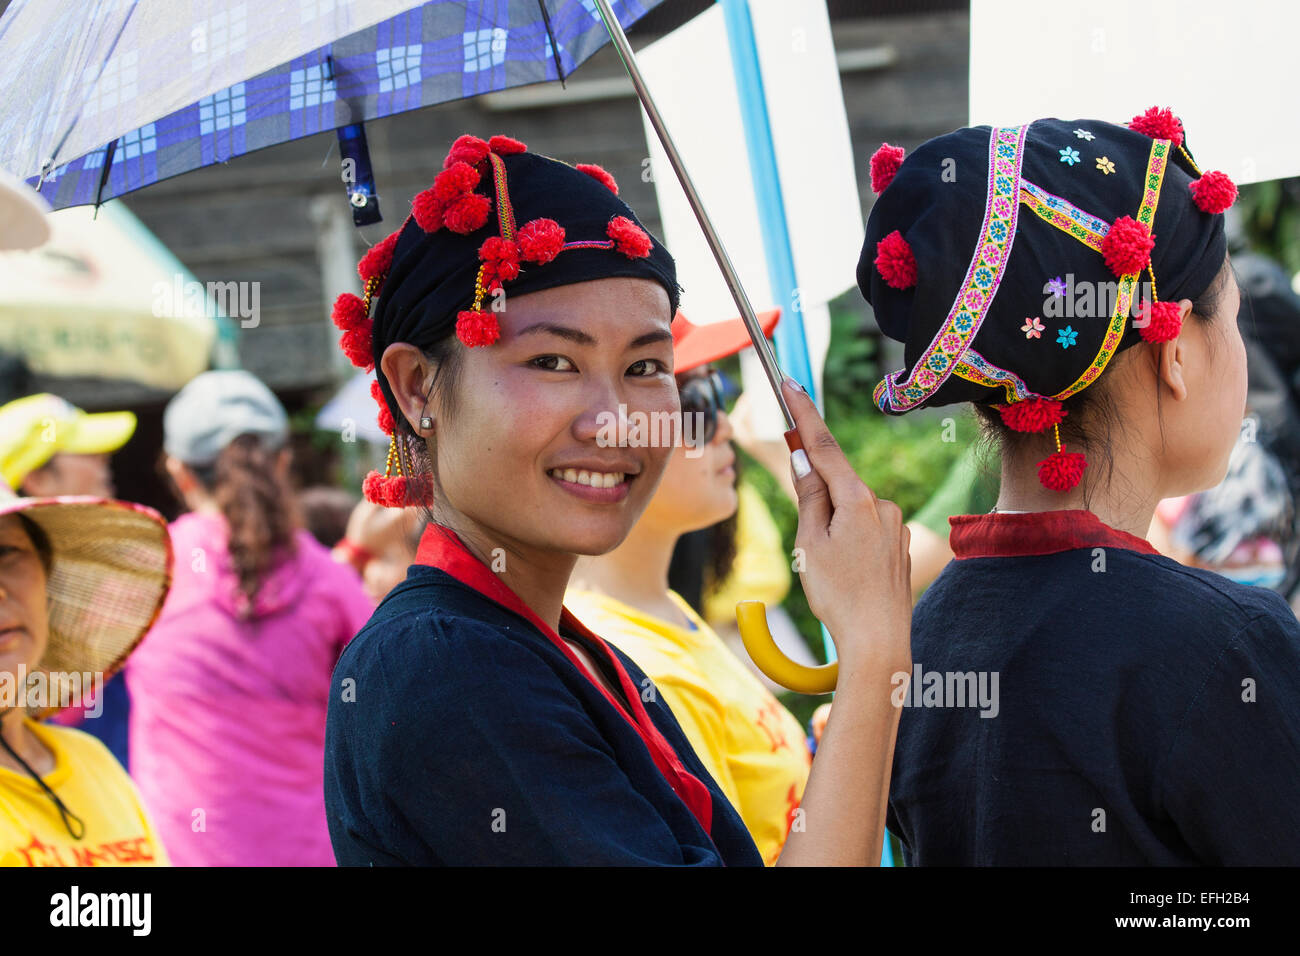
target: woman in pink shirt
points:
(229, 689)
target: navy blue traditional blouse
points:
(459, 734)
(1134, 711)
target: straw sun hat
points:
(110, 569)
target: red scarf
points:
(441, 548)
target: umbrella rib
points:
(109, 150)
(555, 44)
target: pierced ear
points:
(408, 374)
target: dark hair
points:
(40, 541)
(1093, 414)
(258, 508)
(703, 559)
(446, 356)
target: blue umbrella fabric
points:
(107, 97)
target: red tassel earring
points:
(400, 490)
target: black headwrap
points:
(432, 276)
(497, 218)
(1012, 224)
(1015, 262)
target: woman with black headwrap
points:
(521, 333)
(1078, 698)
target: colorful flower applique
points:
(1032, 328)
(1105, 165)
(1084, 134)
(1069, 155)
(1057, 287)
(1066, 337)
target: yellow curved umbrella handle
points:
(752, 618)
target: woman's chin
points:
(593, 538)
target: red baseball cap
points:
(696, 345)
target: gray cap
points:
(214, 409)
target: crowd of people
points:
(509, 651)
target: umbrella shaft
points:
(761, 344)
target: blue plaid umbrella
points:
(107, 97)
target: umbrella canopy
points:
(108, 100)
(100, 300)
(352, 411)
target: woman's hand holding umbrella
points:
(852, 549)
(856, 574)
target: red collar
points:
(1038, 532)
(440, 547)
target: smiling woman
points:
(530, 431)
(474, 720)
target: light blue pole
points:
(791, 346)
(791, 343)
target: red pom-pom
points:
(467, 214)
(385, 419)
(476, 328)
(387, 492)
(884, 164)
(1127, 246)
(427, 211)
(455, 181)
(505, 146)
(1164, 321)
(500, 250)
(1034, 414)
(466, 149)
(355, 343)
(540, 240)
(595, 172)
(1062, 470)
(379, 258)
(501, 261)
(1159, 124)
(349, 311)
(895, 261)
(1214, 192)
(629, 238)
(371, 488)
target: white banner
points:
(1226, 69)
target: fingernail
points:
(795, 385)
(799, 459)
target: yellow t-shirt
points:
(92, 785)
(751, 745)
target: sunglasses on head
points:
(705, 396)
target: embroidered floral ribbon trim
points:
(974, 367)
(1064, 215)
(987, 266)
(1155, 175)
